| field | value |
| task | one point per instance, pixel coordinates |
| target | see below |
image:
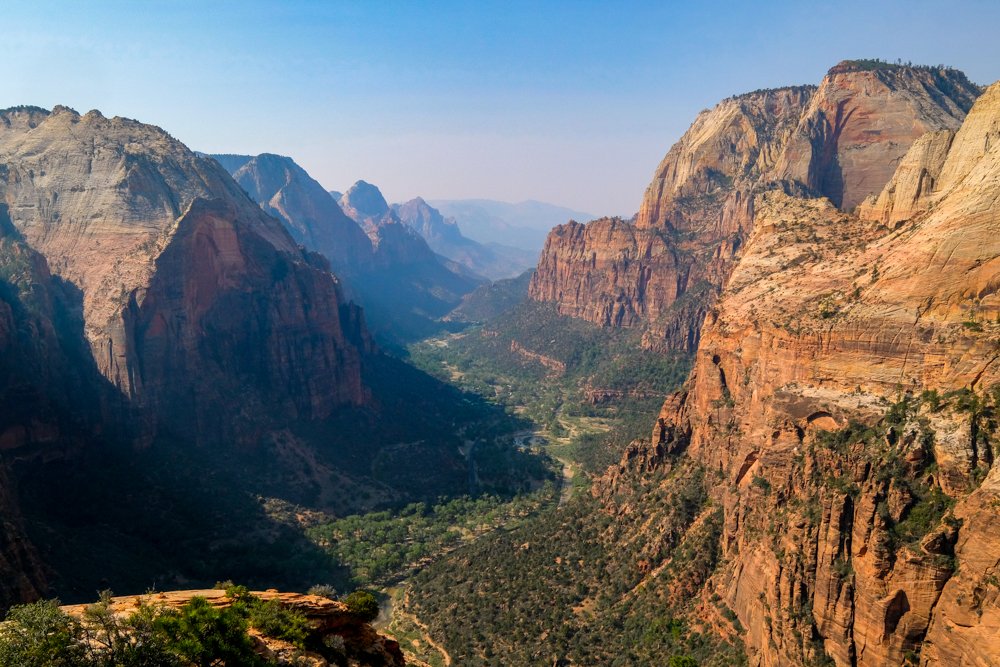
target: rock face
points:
(443, 235)
(845, 390)
(310, 214)
(52, 394)
(189, 290)
(409, 284)
(385, 265)
(23, 574)
(330, 622)
(861, 121)
(842, 140)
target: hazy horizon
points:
(572, 104)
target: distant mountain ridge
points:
(384, 264)
(493, 260)
(522, 225)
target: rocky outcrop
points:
(184, 280)
(862, 120)
(845, 391)
(273, 316)
(554, 366)
(342, 634)
(842, 140)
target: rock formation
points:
(845, 390)
(144, 298)
(190, 292)
(52, 395)
(443, 235)
(410, 284)
(842, 140)
(309, 213)
(384, 264)
(341, 633)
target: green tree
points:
(682, 661)
(114, 640)
(40, 635)
(273, 619)
(206, 636)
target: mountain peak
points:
(366, 199)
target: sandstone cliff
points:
(344, 638)
(51, 392)
(144, 299)
(845, 391)
(183, 279)
(842, 140)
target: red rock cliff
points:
(191, 294)
(842, 140)
(845, 389)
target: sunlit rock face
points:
(191, 294)
(842, 140)
(844, 392)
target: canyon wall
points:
(842, 140)
(844, 396)
(189, 291)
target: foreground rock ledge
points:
(364, 646)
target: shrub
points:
(362, 604)
(40, 635)
(682, 661)
(273, 619)
(204, 635)
(323, 591)
(762, 483)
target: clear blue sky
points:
(569, 102)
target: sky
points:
(573, 103)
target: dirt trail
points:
(425, 633)
(568, 473)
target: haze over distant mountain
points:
(286, 191)
(522, 225)
(493, 260)
(384, 264)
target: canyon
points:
(822, 489)
(831, 396)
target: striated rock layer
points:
(842, 140)
(191, 295)
(845, 391)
